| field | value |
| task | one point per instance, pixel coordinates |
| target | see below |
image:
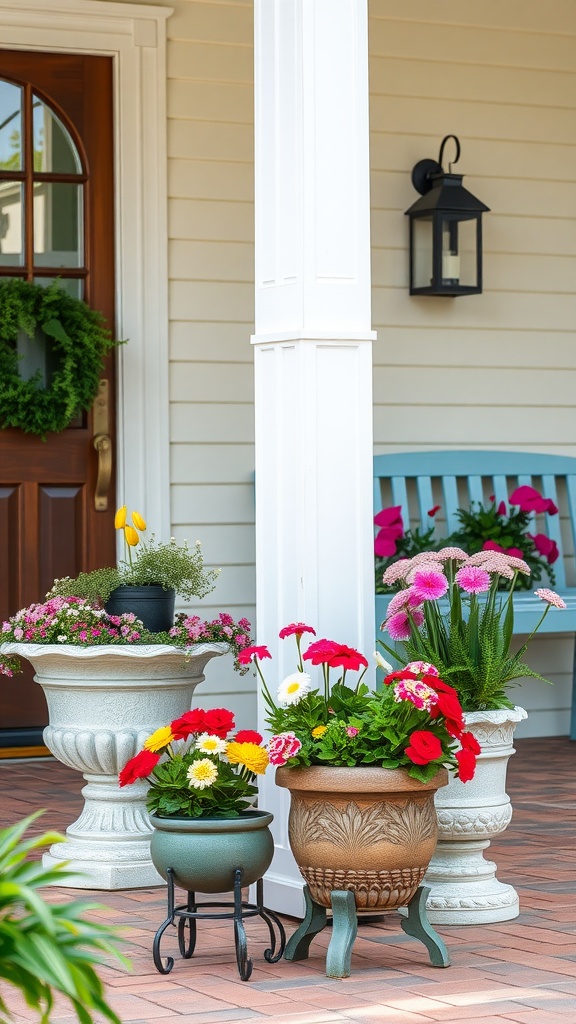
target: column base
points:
(109, 871)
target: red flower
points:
(432, 511)
(248, 736)
(424, 747)
(466, 764)
(402, 673)
(453, 727)
(321, 651)
(449, 706)
(546, 547)
(328, 652)
(469, 742)
(219, 722)
(245, 656)
(295, 629)
(138, 767)
(440, 686)
(191, 722)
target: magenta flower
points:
(530, 500)
(398, 625)
(282, 747)
(473, 580)
(390, 519)
(429, 584)
(295, 629)
(352, 731)
(546, 547)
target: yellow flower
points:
(161, 738)
(202, 773)
(319, 731)
(130, 536)
(255, 758)
(138, 521)
(120, 518)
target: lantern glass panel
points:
(422, 252)
(468, 238)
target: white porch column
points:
(313, 346)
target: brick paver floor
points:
(522, 971)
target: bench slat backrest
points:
(456, 478)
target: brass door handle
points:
(103, 446)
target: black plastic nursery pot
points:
(150, 603)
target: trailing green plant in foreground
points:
(47, 948)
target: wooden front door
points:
(56, 221)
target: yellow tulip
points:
(138, 521)
(120, 518)
(131, 536)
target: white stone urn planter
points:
(464, 887)
(103, 702)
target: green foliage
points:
(169, 565)
(170, 792)
(48, 948)
(79, 341)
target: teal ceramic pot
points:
(150, 603)
(205, 852)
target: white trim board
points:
(134, 35)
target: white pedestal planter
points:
(464, 886)
(102, 703)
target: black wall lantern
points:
(445, 231)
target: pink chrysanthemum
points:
(422, 668)
(473, 579)
(421, 696)
(423, 566)
(429, 584)
(396, 571)
(398, 625)
(549, 596)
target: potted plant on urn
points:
(147, 580)
(452, 611)
(109, 683)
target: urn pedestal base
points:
(464, 887)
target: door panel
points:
(60, 185)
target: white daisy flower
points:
(202, 773)
(210, 744)
(293, 688)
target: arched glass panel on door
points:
(42, 192)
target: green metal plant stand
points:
(345, 928)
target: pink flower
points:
(398, 625)
(550, 597)
(501, 510)
(422, 668)
(396, 571)
(472, 579)
(282, 747)
(245, 656)
(390, 519)
(429, 584)
(450, 554)
(546, 547)
(530, 500)
(295, 629)
(351, 730)
(328, 652)
(421, 696)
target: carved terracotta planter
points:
(371, 831)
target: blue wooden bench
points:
(452, 479)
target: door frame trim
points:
(134, 35)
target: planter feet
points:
(418, 925)
(184, 917)
(345, 927)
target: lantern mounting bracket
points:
(423, 171)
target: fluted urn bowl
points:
(103, 702)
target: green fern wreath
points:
(79, 341)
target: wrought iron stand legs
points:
(345, 927)
(187, 915)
